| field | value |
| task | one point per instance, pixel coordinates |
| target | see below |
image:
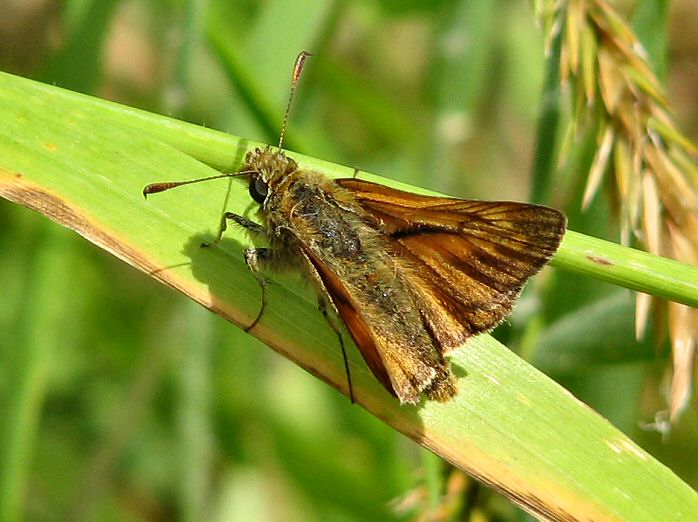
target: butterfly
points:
(412, 277)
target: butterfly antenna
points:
(154, 188)
(295, 76)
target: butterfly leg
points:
(322, 306)
(249, 225)
(253, 258)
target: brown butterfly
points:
(412, 277)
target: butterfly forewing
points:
(472, 257)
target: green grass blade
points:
(628, 267)
(84, 162)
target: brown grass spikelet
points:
(614, 89)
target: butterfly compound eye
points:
(258, 189)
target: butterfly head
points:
(265, 169)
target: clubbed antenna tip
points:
(295, 76)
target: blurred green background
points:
(136, 404)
